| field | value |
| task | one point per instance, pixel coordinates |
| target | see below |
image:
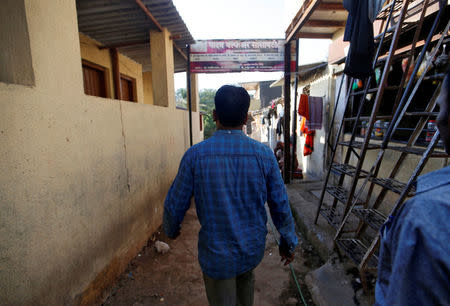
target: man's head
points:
(232, 105)
(443, 119)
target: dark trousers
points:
(232, 291)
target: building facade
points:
(84, 176)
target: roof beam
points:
(180, 51)
(124, 44)
(324, 23)
(147, 12)
(303, 15)
(141, 42)
(331, 6)
(314, 35)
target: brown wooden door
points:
(94, 81)
(128, 92)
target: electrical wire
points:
(290, 266)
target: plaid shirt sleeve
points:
(178, 198)
(280, 211)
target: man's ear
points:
(214, 115)
(246, 119)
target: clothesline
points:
(310, 109)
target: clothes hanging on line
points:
(359, 32)
(309, 143)
(280, 127)
(303, 108)
(308, 148)
(303, 128)
(310, 110)
(315, 109)
(280, 110)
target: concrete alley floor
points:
(337, 282)
(175, 278)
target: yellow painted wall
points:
(148, 87)
(83, 178)
(90, 52)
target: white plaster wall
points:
(314, 165)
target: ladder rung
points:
(418, 151)
(392, 185)
(382, 14)
(412, 129)
(440, 154)
(341, 194)
(356, 250)
(347, 169)
(406, 26)
(360, 92)
(358, 145)
(383, 58)
(371, 217)
(438, 76)
(387, 6)
(421, 114)
(363, 118)
(331, 215)
(389, 30)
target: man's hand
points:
(286, 255)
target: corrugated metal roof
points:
(116, 22)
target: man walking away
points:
(231, 177)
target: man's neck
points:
(221, 127)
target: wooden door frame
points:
(133, 83)
(103, 70)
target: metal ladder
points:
(339, 193)
(371, 217)
(357, 204)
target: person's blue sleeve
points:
(414, 265)
(279, 208)
(178, 198)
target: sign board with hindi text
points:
(221, 55)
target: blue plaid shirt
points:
(414, 261)
(231, 177)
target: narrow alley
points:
(175, 278)
(115, 115)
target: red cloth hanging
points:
(303, 128)
(309, 143)
(303, 111)
(303, 108)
